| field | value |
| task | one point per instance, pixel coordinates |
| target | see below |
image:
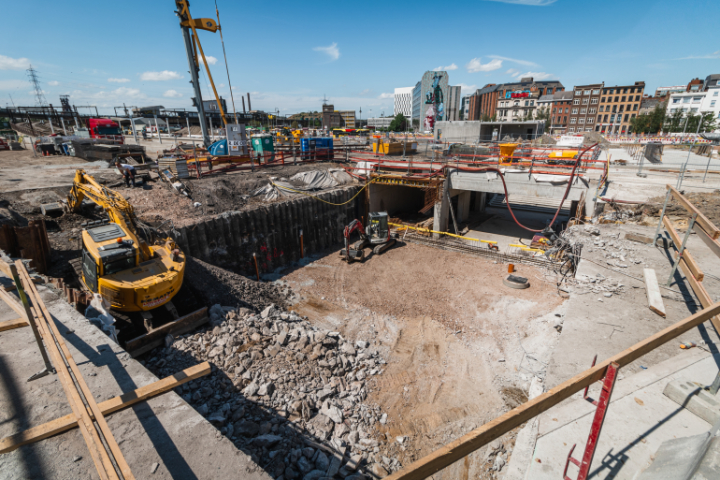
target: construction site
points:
(289, 305)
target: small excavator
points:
(133, 274)
(376, 234)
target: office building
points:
(483, 103)
(403, 101)
(452, 104)
(584, 108)
(518, 101)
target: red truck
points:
(105, 128)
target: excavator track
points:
(384, 247)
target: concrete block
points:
(695, 399)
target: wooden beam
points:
(144, 343)
(655, 301)
(704, 222)
(73, 383)
(11, 324)
(694, 267)
(115, 404)
(714, 245)
(485, 434)
(6, 268)
(13, 302)
(700, 293)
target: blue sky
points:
(289, 54)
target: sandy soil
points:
(461, 347)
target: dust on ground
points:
(647, 213)
(461, 347)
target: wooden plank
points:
(485, 434)
(115, 404)
(11, 324)
(6, 269)
(694, 267)
(714, 245)
(700, 292)
(704, 222)
(13, 302)
(54, 344)
(655, 301)
(145, 343)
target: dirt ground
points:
(157, 202)
(461, 347)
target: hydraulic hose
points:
(507, 198)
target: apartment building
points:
(584, 107)
(560, 111)
(518, 101)
(618, 106)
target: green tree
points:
(294, 125)
(543, 113)
(709, 122)
(398, 123)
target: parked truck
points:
(103, 128)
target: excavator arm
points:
(118, 209)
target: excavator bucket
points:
(352, 255)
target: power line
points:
(39, 95)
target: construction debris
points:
(277, 376)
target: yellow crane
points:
(127, 271)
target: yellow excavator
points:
(133, 274)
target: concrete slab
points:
(696, 400)
(640, 418)
(164, 430)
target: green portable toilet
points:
(263, 147)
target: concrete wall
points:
(271, 231)
(395, 198)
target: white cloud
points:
(118, 80)
(531, 3)
(387, 95)
(465, 88)
(210, 59)
(701, 57)
(160, 76)
(53, 83)
(475, 65)
(366, 91)
(13, 84)
(127, 92)
(514, 60)
(7, 63)
(452, 66)
(536, 75)
(172, 94)
(332, 51)
(512, 71)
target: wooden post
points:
(257, 270)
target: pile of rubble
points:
(287, 393)
(617, 252)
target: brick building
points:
(584, 107)
(618, 106)
(561, 104)
(483, 102)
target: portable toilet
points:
(263, 147)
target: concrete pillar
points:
(480, 201)
(463, 206)
(442, 211)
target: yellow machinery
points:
(130, 274)
(506, 153)
(562, 156)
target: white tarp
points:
(303, 182)
(547, 178)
